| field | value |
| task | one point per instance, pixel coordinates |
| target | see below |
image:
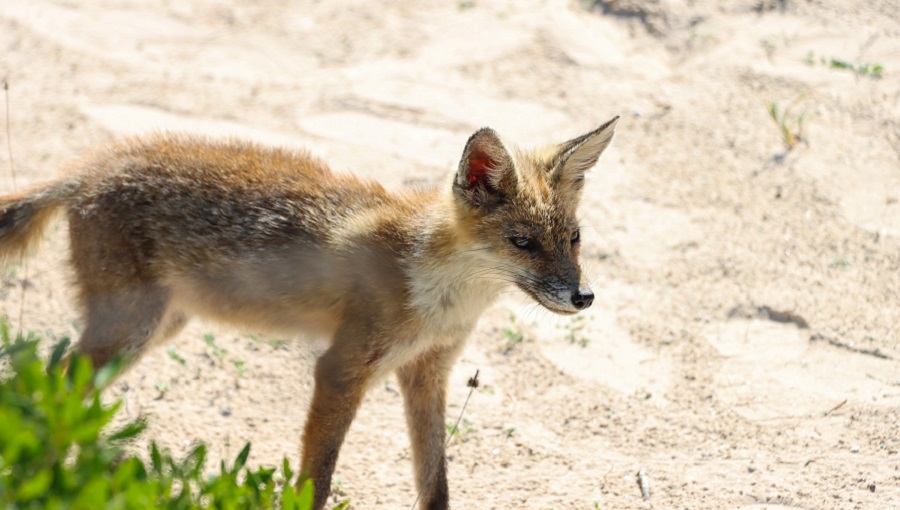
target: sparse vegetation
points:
(463, 432)
(839, 263)
(337, 486)
(860, 68)
(162, 388)
(218, 352)
(176, 357)
(275, 343)
(574, 331)
(239, 366)
(513, 334)
(790, 124)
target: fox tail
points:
(24, 217)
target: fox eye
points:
(576, 236)
(522, 242)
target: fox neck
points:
(452, 278)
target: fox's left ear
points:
(578, 155)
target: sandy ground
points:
(743, 349)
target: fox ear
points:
(486, 170)
(578, 155)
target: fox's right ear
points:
(486, 171)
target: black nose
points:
(582, 298)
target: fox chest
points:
(451, 308)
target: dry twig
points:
(12, 172)
(818, 337)
(835, 408)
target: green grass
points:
(790, 125)
(574, 331)
(463, 432)
(867, 69)
(513, 333)
(217, 351)
(176, 357)
(239, 366)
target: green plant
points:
(56, 453)
(513, 334)
(461, 433)
(217, 351)
(275, 343)
(239, 366)
(574, 328)
(176, 357)
(790, 125)
(162, 388)
(860, 68)
(337, 486)
(839, 263)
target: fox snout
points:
(567, 302)
(557, 296)
(582, 298)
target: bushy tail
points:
(24, 216)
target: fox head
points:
(521, 208)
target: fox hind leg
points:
(126, 307)
(125, 321)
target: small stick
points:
(12, 167)
(12, 171)
(472, 384)
(817, 337)
(835, 408)
(603, 487)
(644, 483)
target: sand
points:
(743, 347)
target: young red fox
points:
(167, 227)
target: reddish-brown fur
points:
(167, 227)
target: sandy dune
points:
(743, 348)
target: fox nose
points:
(582, 298)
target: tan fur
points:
(167, 227)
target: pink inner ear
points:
(479, 167)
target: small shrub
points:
(56, 453)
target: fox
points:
(165, 227)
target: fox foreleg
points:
(423, 382)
